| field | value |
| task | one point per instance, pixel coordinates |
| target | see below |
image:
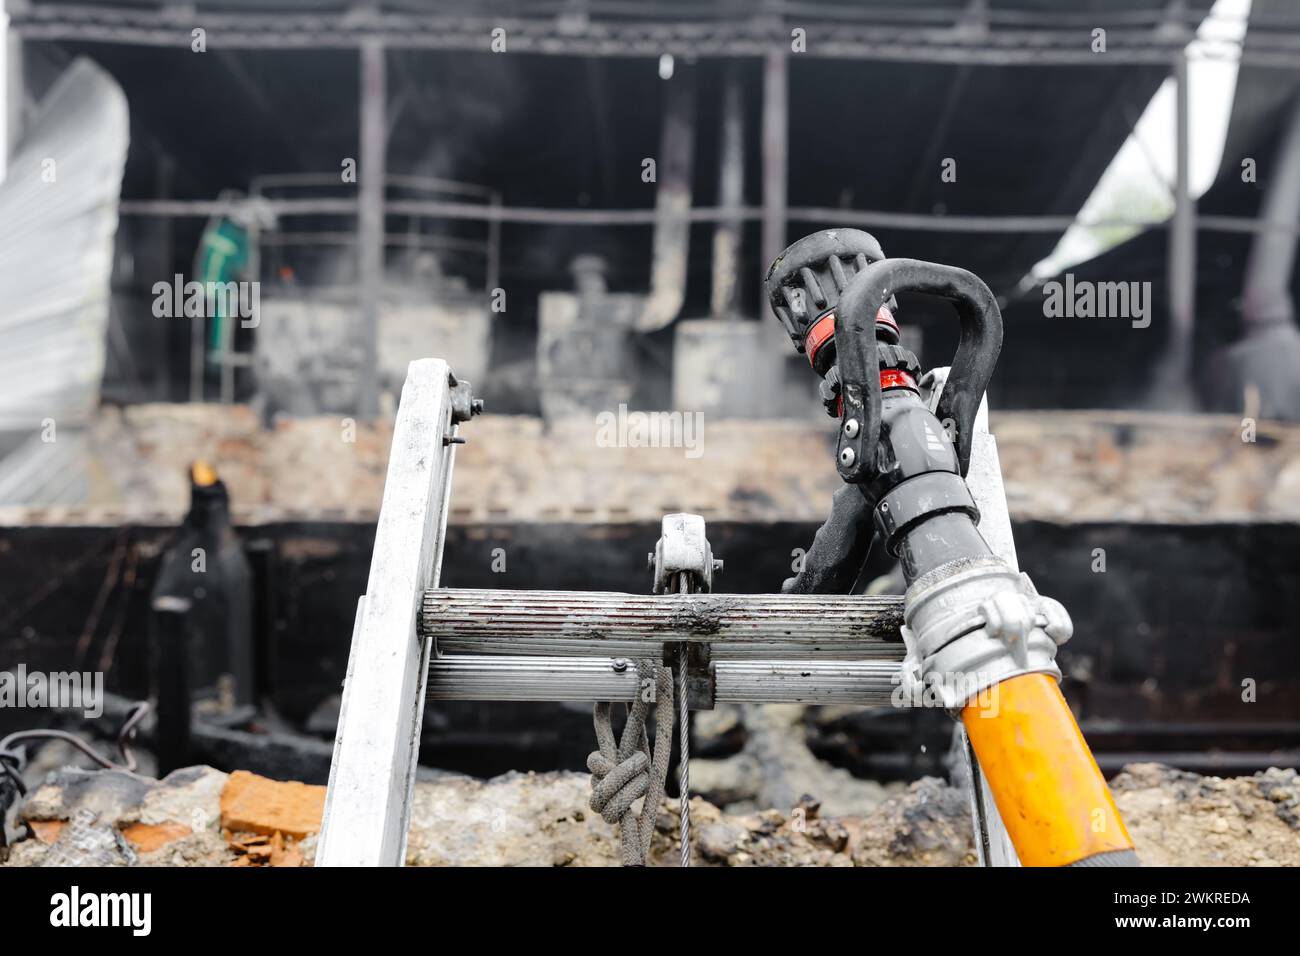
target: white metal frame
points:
(368, 803)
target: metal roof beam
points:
(867, 35)
(866, 218)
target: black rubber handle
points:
(855, 346)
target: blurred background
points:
(574, 203)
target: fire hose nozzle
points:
(804, 285)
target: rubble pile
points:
(140, 456)
(193, 817)
(756, 756)
(112, 818)
(1059, 466)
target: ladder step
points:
(726, 649)
(867, 683)
(614, 624)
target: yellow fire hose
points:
(1049, 790)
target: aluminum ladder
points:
(413, 640)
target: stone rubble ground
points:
(541, 819)
(759, 758)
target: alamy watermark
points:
(76, 908)
(624, 429)
(1084, 299)
(973, 688)
(193, 299)
(62, 690)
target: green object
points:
(224, 253)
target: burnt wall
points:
(1165, 636)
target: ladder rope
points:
(684, 586)
(683, 758)
(624, 771)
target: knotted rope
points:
(624, 771)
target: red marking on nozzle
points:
(885, 317)
(823, 330)
(896, 378)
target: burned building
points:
(574, 205)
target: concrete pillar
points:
(776, 80)
(727, 235)
(1175, 377)
(370, 220)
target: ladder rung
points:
(726, 649)
(592, 679)
(614, 624)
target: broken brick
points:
(256, 804)
(147, 837)
(47, 831)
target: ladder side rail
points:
(368, 801)
(984, 479)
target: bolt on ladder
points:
(412, 639)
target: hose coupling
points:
(973, 623)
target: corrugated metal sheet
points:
(47, 473)
(58, 216)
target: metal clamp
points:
(464, 405)
(682, 549)
(975, 623)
